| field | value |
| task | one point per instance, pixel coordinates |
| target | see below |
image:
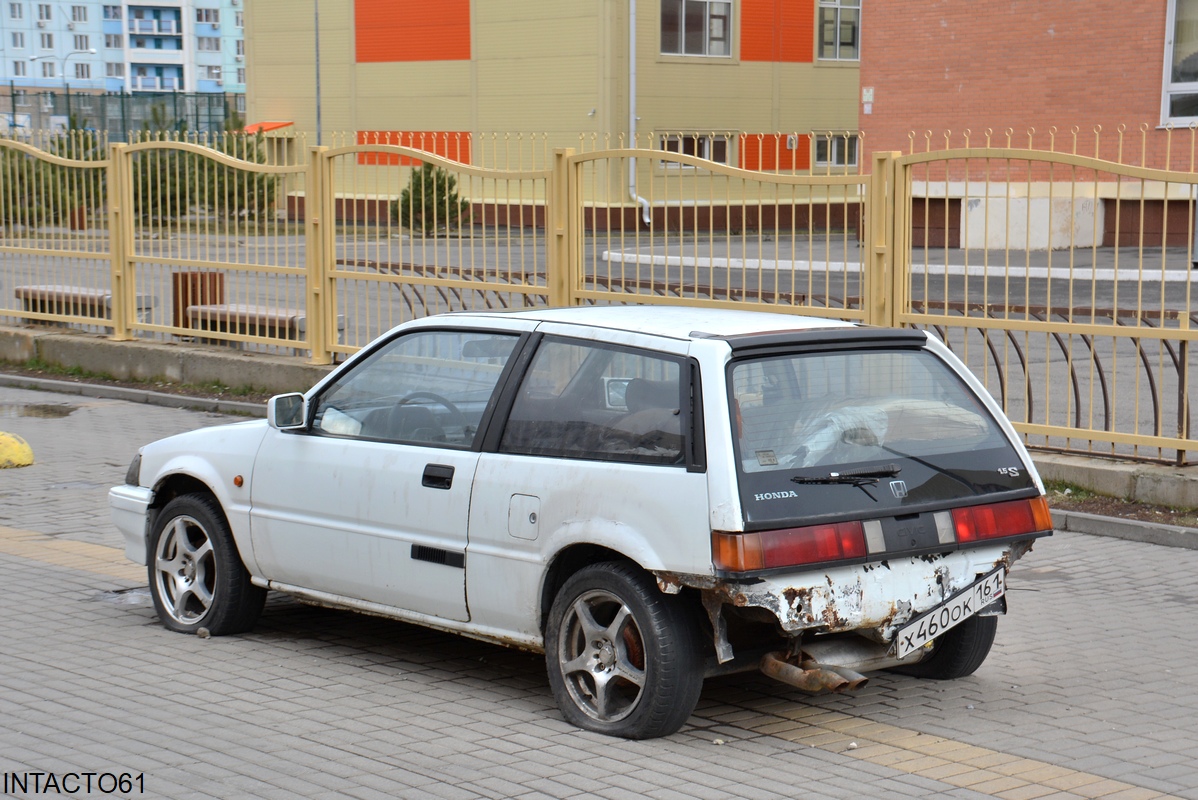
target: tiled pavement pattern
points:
(1091, 692)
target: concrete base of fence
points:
(171, 362)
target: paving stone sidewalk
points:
(323, 704)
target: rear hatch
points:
(864, 448)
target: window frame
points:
(82, 42)
(17, 40)
(114, 41)
(83, 71)
(836, 8)
(20, 68)
(1169, 88)
(705, 142)
(202, 41)
(45, 12)
(78, 13)
(16, 11)
(112, 12)
(114, 69)
(837, 142)
(729, 29)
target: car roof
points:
(677, 322)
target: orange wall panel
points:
(767, 153)
(776, 30)
(406, 30)
(454, 145)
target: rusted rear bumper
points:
(873, 599)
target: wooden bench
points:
(77, 301)
(248, 319)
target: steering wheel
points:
(456, 417)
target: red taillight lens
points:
(996, 520)
(813, 544)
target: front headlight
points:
(133, 474)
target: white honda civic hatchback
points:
(649, 496)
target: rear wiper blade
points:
(860, 477)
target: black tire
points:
(623, 658)
(196, 576)
(957, 653)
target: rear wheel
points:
(196, 576)
(623, 658)
(957, 653)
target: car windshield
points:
(863, 419)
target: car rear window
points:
(805, 422)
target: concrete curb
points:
(133, 395)
(1130, 530)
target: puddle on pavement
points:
(39, 410)
(137, 596)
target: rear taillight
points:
(813, 544)
(841, 541)
(996, 520)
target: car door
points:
(370, 500)
(599, 447)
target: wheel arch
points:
(178, 484)
(565, 563)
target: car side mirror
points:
(287, 412)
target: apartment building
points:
(88, 46)
(755, 83)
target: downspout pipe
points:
(646, 215)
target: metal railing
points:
(1061, 278)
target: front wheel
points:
(957, 653)
(196, 576)
(623, 658)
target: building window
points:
(836, 150)
(114, 41)
(241, 74)
(696, 27)
(240, 47)
(839, 30)
(44, 13)
(1181, 87)
(48, 69)
(208, 44)
(239, 19)
(240, 104)
(18, 69)
(18, 40)
(208, 15)
(78, 13)
(712, 148)
(83, 72)
(83, 41)
(114, 70)
(16, 11)
(212, 73)
(112, 12)
(46, 40)
(20, 98)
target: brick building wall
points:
(954, 65)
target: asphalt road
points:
(1088, 693)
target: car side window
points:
(427, 387)
(591, 401)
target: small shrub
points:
(430, 202)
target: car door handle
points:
(438, 476)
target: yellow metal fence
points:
(1062, 279)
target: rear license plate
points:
(952, 612)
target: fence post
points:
(120, 219)
(881, 307)
(559, 268)
(319, 231)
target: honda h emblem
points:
(899, 488)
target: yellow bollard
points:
(14, 451)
